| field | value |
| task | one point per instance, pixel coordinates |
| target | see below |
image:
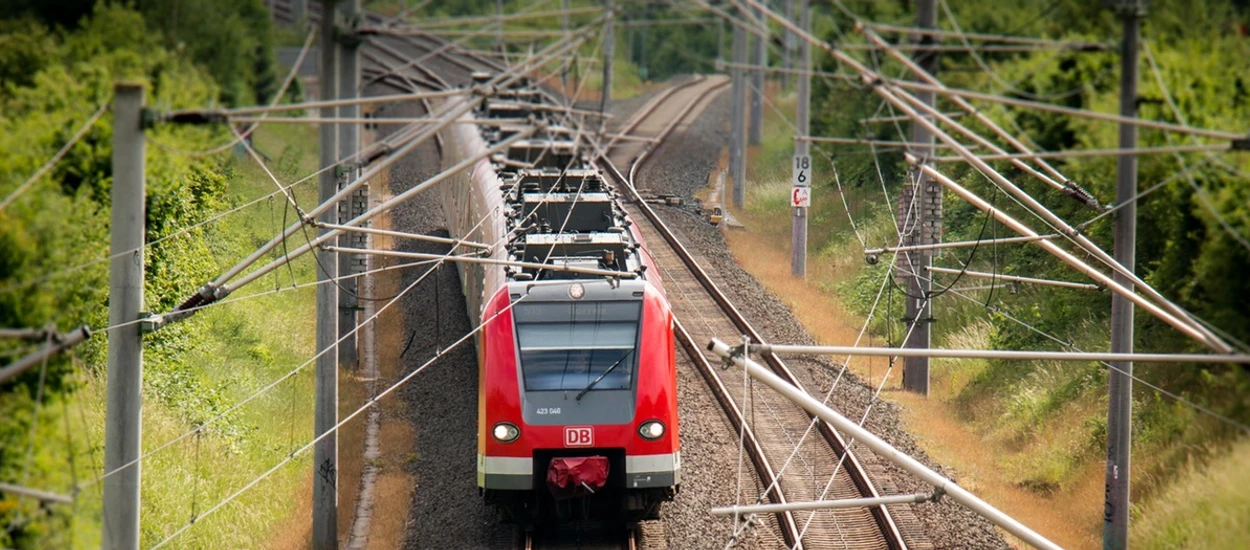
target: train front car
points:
(577, 414)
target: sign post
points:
(800, 200)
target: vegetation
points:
(58, 63)
(1047, 420)
(654, 41)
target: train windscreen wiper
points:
(582, 393)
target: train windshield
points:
(569, 345)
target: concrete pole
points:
(861, 436)
(1120, 404)
(720, 39)
(737, 137)
(499, 25)
(123, 423)
(609, 51)
(921, 218)
(631, 51)
(299, 12)
(326, 385)
(787, 40)
(643, 71)
(733, 108)
(564, 26)
(802, 119)
(349, 144)
(759, 58)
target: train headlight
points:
(651, 429)
(506, 432)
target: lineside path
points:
(777, 426)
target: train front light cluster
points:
(651, 430)
(506, 432)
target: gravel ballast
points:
(446, 510)
(681, 167)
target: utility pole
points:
(348, 47)
(564, 26)
(631, 51)
(737, 132)
(720, 39)
(787, 41)
(326, 385)
(1120, 402)
(609, 51)
(759, 58)
(299, 12)
(802, 147)
(642, 56)
(499, 26)
(123, 424)
(920, 218)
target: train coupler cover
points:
(571, 477)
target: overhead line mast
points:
(1166, 310)
(920, 219)
(1120, 402)
(802, 143)
(326, 382)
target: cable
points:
(177, 233)
(264, 389)
(334, 429)
(976, 57)
(1067, 344)
(367, 404)
(82, 131)
(289, 374)
(929, 295)
(1176, 112)
(277, 98)
(863, 419)
(845, 364)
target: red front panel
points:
(499, 397)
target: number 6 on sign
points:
(801, 172)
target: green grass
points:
(201, 367)
(1044, 422)
(1206, 507)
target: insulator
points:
(1071, 189)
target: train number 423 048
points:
(548, 410)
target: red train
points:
(577, 396)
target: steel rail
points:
(854, 469)
(628, 541)
(764, 469)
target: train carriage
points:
(577, 403)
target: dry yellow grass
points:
(1071, 515)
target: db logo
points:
(579, 436)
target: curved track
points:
(703, 311)
(579, 541)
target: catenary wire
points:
(82, 131)
(366, 406)
(371, 402)
(240, 137)
(1180, 117)
(1008, 86)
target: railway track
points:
(703, 311)
(573, 540)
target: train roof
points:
(560, 211)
